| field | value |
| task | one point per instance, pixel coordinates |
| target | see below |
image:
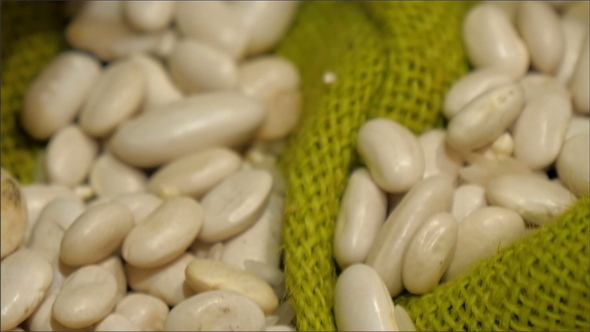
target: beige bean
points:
(216, 311)
(574, 31)
(282, 116)
(116, 97)
(536, 85)
(215, 69)
(579, 124)
(480, 236)
(57, 94)
(141, 204)
(235, 204)
(148, 16)
(362, 302)
(392, 154)
(96, 234)
(363, 210)
(573, 164)
(429, 253)
(197, 173)
(580, 82)
(468, 198)
(540, 130)
(215, 24)
(439, 158)
(204, 275)
(429, 196)
(116, 322)
(403, 319)
(266, 21)
(88, 295)
(540, 28)
(471, 86)
(114, 265)
(261, 241)
(110, 176)
(13, 217)
(486, 118)
(538, 201)
(69, 156)
(147, 312)
(42, 320)
(159, 88)
(25, 280)
(263, 77)
(193, 124)
(165, 234)
(38, 196)
(166, 282)
(491, 40)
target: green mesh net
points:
(389, 59)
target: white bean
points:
(537, 84)
(57, 94)
(362, 302)
(403, 319)
(166, 282)
(159, 89)
(580, 82)
(206, 274)
(116, 322)
(282, 115)
(439, 158)
(235, 204)
(110, 176)
(392, 154)
(86, 297)
(38, 196)
(486, 118)
(573, 164)
(362, 212)
(165, 234)
(540, 28)
(190, 125)
(429, 196)
(114, 265)
(540, 130)
(574, 31)
(215, 24)
(481, 234)
(467, 199)
(42, 320)
(141, 204)
(69, 156)
(13, 214)
(470, 87)
(149, 16)
(25, 280)
(216, 311)
(579, 124)
(214, 70)
(147, 312)
(264, 76)
(538, 201)
(491, 41)
(197, 173)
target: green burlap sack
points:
(391, 59)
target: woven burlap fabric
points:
(392, 59)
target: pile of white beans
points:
(159, 203)
(426, 209)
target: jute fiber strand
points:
(391, 59)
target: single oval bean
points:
(235, 204)
(538, 201)
(147, 312)
(362, 212)
(403, 319)
(115, 97)
(470, 87)
(429, 253)
(481, 234)
(215, 69)
(215, 24)
(197, 173)
(491, 41)
(110, 176)
(216, 311)
(57, 94)
(204, 275)
(486, 118)
(262, 77)
(166, 282)
(87, 296)
(540, 130)
(392, 154)
(190, 125)
(468, 198)
(69, 156)
(25, 280)
(13, 214)
(573, 164)
(165, 234)
(149, 16)
(362, 302)
(540, 28)
(429, 196)
(282, 116)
